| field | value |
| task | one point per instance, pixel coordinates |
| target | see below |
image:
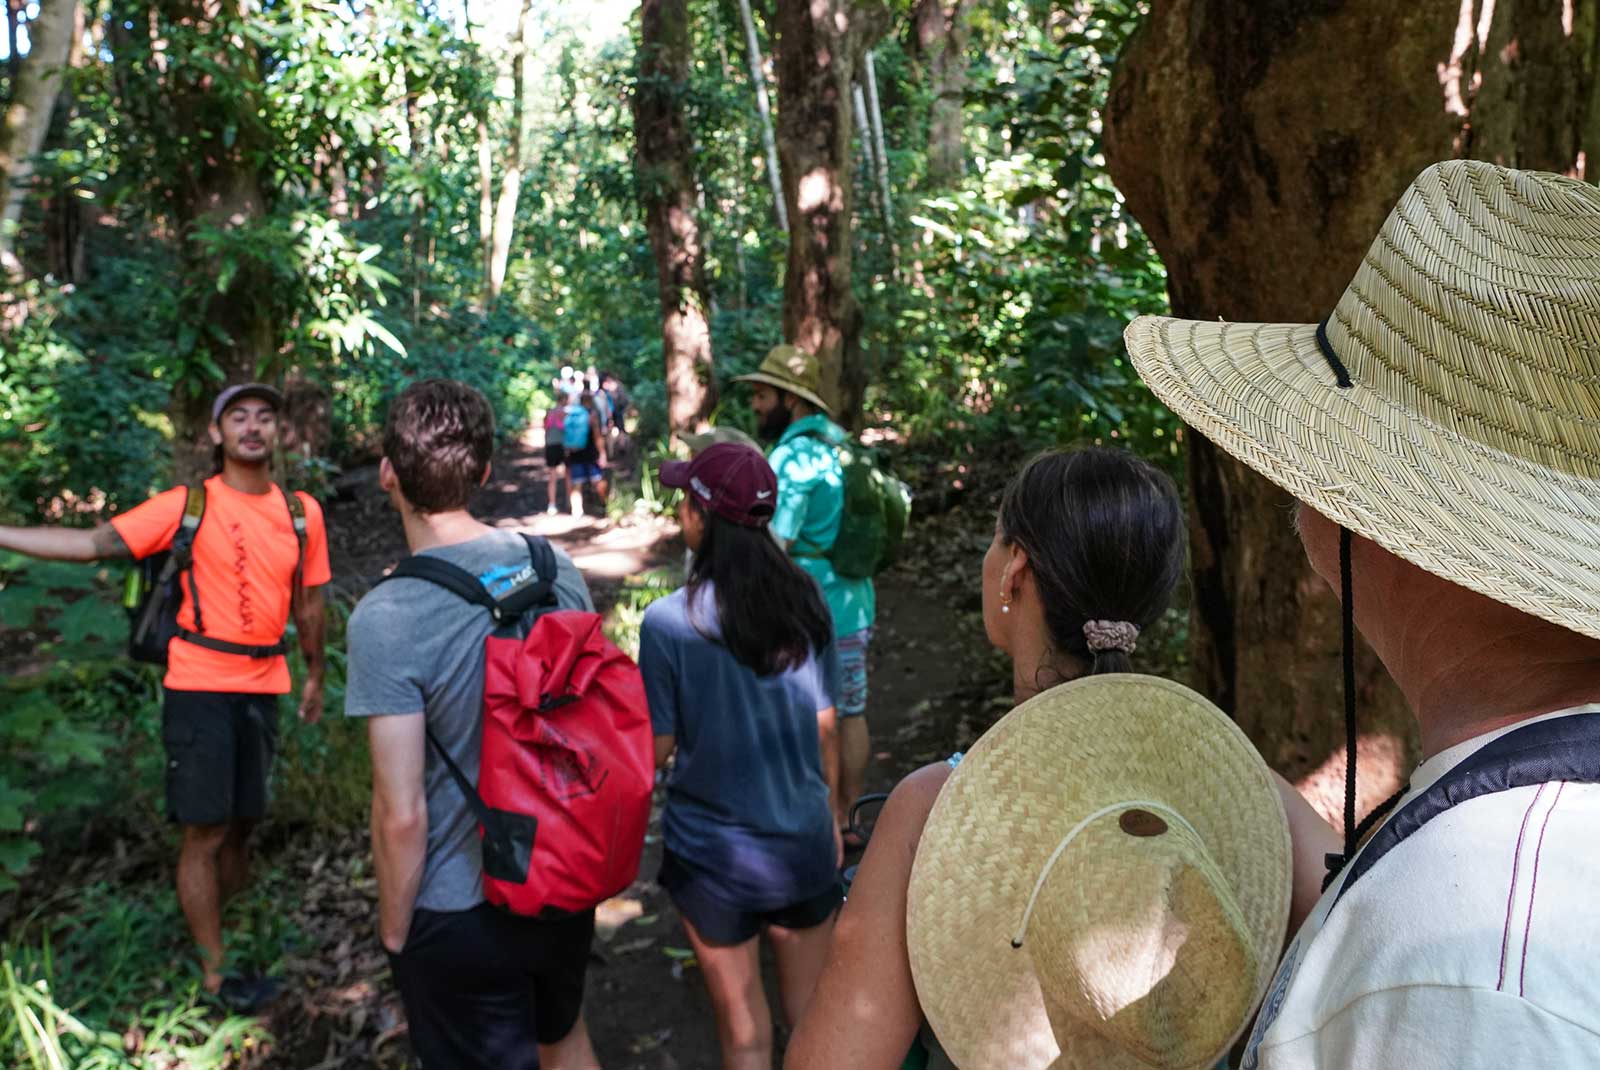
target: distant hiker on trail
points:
(585, 447)
(619, 400)
(810, 507)
(1088, 548)
(1438, 429)
(226, 667)
(741, 674)
(482, 988)
(555, 458)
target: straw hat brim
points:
(786, 384)
(1050, 762)
(1506, 527)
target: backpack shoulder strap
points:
(182, 559)
(297, 518)
(194, 511)
(458, 581)
(538, 591)
(480, 809)
(1560, 749)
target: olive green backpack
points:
(877, 507)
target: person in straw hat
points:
(1441, 431)
(785, 396)
(1088, 548)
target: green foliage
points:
(1030, 268)
(79, 418)
(71, 705)
(623, 622)
(97, 990)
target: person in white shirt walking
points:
(1439, 431)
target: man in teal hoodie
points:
(806, 520)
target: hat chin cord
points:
(1066, 841)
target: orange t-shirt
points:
(244, 558)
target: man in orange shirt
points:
(226, 667)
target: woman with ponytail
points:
(740, 673)
(1088, 548)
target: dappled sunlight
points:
(1382, 763)
(819, 189)
(1152, 939)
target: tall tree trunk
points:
(505, 210)
(68, 218)
(880, 145)
(940, 32)
(818, 42)
(1262, 171)
(667, 192)
(485, 201)
(27, 118)
(759, 79)
(221, 189)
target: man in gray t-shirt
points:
(415, 647)
(483, 989)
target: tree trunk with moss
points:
(939, 34)
(664, 162)
(27, 117)
(1261, 143)
(819, 43)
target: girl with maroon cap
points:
(741, 675)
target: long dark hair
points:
(1104, 535)
(771, 612)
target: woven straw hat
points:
(793, 369)
(1468, 440)
(1129, 838)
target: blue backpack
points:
(575, 429)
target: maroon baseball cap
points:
(732, 480)
(240, 392)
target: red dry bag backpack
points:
(568, 756)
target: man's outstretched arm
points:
(65, 544)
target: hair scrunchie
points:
(1102, 635)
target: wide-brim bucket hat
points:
(1103, 882)
(793, 369)
(1448, 408)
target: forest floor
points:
(935, 686)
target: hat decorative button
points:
(1141, 823)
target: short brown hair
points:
(439, 438)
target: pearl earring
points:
(1005, 603)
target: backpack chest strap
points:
(1562, 748)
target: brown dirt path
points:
(932, 690)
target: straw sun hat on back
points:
(1449, 407)
(1103, 884)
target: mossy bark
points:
(1261, 143)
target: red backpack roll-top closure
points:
(567, 740)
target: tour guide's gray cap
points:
(241, 391)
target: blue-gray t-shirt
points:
(747, 806)
(415, 649)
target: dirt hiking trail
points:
(933, 688)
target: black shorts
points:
(482, 988)
(721, 923)
(219, 755)
(555, 455)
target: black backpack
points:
(154, 591)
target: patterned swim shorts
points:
(853, 672)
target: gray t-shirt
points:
(415, 648)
